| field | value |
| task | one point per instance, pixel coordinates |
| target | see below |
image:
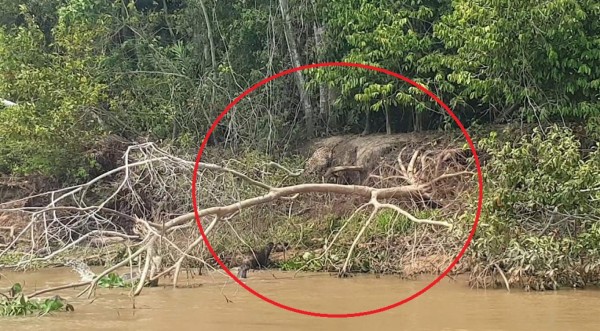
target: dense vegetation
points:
(83, 68)
(80, 70)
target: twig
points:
(58, 288)
(356, 239)
(503, 276)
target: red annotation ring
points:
(339, 64)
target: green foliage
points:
(81, 68)
(542, 171)
(56, 90)
(392, 35)
(541, 56)
(112, 280)
(531, 60)
(540, 217)
(17, 304)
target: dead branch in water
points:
(57, 288)
(78, 216)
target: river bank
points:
(517, 245)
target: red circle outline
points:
(339, 64)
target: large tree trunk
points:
(295, 58)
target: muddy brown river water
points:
(450, 305)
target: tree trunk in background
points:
(210, 36)
(388, 124)
(213, 60)
(323, 93)
(295, 58)
(166, 11)
(323, 105)
(367, 122)
(418, 121)
(332, 95)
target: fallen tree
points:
(157, 240)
